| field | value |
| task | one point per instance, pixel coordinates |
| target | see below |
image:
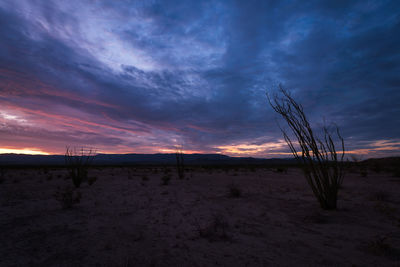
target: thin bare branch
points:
(322, 168)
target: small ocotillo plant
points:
(322, 166)
(180, 166)
(2, 174)
(78, 161)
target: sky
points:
(147, 76)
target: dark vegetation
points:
(380, 246)
(78, 162)
(234, 190)
(2, 174)
(391, 164)
(121, 160)
(67, 197)
(165, 179)
(322, 166)
(215, 230)
(180, 165)
(386, 165)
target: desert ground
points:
(132, 216)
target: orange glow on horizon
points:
(168, 150)
(30, 151)
(246, 149)
(380, 148)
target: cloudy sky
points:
(145, 76)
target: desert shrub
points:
(281, 170)
(215, 230)
(380, 196)
(78, 162)
(2, 174)
(130, 177)
(165, 179)
(322, 166)
(363, 173)
(376, 167)
(396, 172)
(386, 210)
(180, 166)
(360, 166)
(92, 180)
(67, 197)
(380, 246)
(234, 191)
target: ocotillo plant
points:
(2, 174)
(180, 166)
(78, 161)
(322, 167)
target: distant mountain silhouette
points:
(140, 159)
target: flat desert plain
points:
(213, 217)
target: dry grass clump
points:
(216, 230)
(364, 173)
(396, 172)
(67, 197)
(165, 179)
(380, 246)
(380, 196)
(281, 169)
(376, 167)
(386, 209)
(92, 180)
(234, 191)
(2, 175)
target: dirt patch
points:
(132, 217)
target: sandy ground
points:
(127, 218)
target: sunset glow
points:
(30, 151)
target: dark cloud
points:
(130, 76)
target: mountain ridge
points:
(140, 159)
